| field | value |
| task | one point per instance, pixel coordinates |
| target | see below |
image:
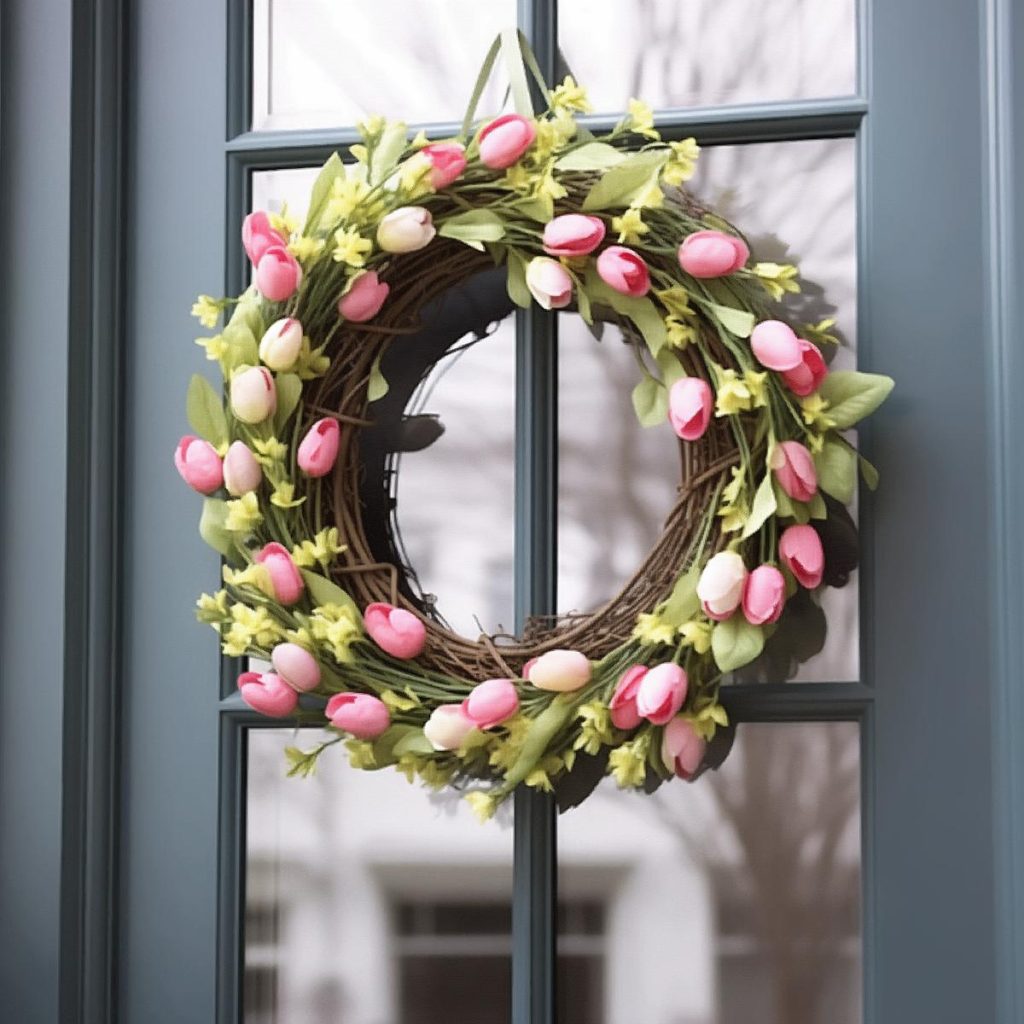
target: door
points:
(859, 855)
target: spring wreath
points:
(602, 226)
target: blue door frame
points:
(110, 881)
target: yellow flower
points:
(650, 197)
(630, 226)
(706, 721)
(207, 310)
(284, 496)
(731, 491)
(270, 451)
(306, 249)
(414, 176)
(641, 120)
(311, 362)
(337, 626)
(347, 194)
(552, 136)
(301, 636)
(676, 300)
(697, 635)
(243, 514)
(569, 97)
(419, 140)
(815, 443)
(650, 629)
(678, 333)
(283, 223)
(595, 729)
(350, 247)
(483, 804)
(733, 394)
(812, 409)
(682, 163)
(519, 178)
(628, 763)
(250, 628)
(212, 608)
(550, 186)
(360, 754)
(820, 332)
(777, 278)
(756, 386)
(216, 347)
(321, 549)
(371, 126)
(360, 153)
(734, 517)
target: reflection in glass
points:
(734, 899)
(708, 52)
(329, 63)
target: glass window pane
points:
(730, 900)
(796, 202)
(328, 63)
(368, 899)
(709, 52)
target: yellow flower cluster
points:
(739, 394)
(252, 631)
(338, 627)
(321, 550)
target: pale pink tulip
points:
(296, 666)
(682, 750)
(805, 378)
(448, 727)
(278, 274)
(285, 578)
(573, 234)
(491, 702)
(560, 671)
(764, 595)
(549, 283)
(406, 229)
(358, 714)
(690, 404)
(624, 270)
(775, 345)
(318, 450)
(281, 344)
(258, 236)
(802, 554)
(364, 298)
(794, 469)
(267, 693)
(199, 464)
(242, 473)
(622, 706)
(505, 140)
(395, 630)
(712, 254)
(720, 587)
(662, 693)
(447, 162)
(253, 394)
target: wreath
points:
(288, 456)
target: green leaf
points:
(289, 392)
(783, 502)
(683, 603)
(518, 292)
(540, 208)
(332, 169)
(836, 466)
(583, 305)
(247, 314)
(736, 321)
(243, 349)
(851, 395)
(413, 742)
(671, 368)
(325, 591)
(593, 156)
(474, 227)
(763, 507)
(736, 643)
(816, 508)
(540, 733)
(868, 471)
(619, 185)
(211, 526)
(378, 386)
(205, 411)
(650, 401)
(385, 154)
(641, 311)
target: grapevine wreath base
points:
(293, 458)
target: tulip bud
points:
(258, 236)
(318, 450)
(720, 587)
(253, 394)
(447, 162)
(624, 270)
(764, 595)
(802, 554)
(806, 377)
(278, 274)
(690, 404)
(505, 140)
(775, 345)
(560, 671)
(447, 727)
(296, 666)
(549, 283)
(199, 464)
(490, 703)
(712, 254)
(364, 298)
(624, 713)
(661, 693)
(395, 630)
(406, 229)
(267, 693)
(682, 750)
(573, 234)
(362, 715)
(285, 578)
(242, 473)
(281, 344)
(794, 469)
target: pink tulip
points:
(296, 666)
(285, 578)
(802, 554)
(364, 298)
(690, 404)
(406, 229)
(794, 469)
(242, 473)
(806, 377)
(682, 750)
(278, 274)
(549, 283)
(573, 234)
(505, 140)
(622, 706)
(490, 703)
(199, 464)
(720, 587)
(359, 714)
(712, 254)
(559, 671)
(267, 693)
(258, 236)
(448, 727)
(253, 394)
(318, 450)
(394, 630)
(764, 595)
(661, 693)
(624, 270)
(775, 345)
(281, 344)
(447, 162)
